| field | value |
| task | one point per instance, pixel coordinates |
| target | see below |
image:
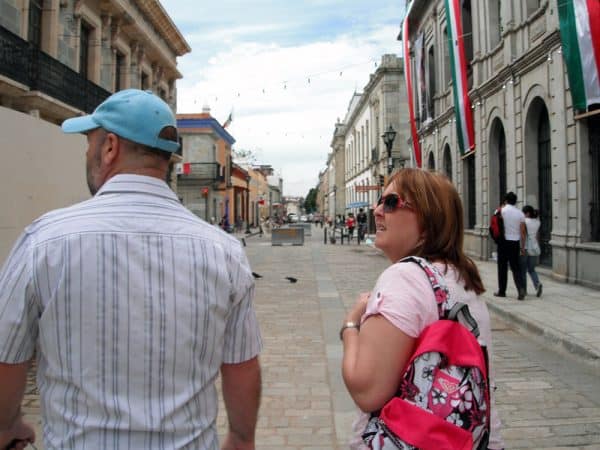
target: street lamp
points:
(248, 204)
(388, 140)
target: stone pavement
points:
(305, 404)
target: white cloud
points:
(287, 120)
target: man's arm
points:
(241, 385)
(13, 378)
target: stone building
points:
(59, 59)
(528, 137)
(359, 137)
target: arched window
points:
(448, 162)
(431, 162)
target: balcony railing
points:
(28, 65)
(207, 172)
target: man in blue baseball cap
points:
(134, 304)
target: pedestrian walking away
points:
(350, 225)
(361, 220)
(512, 247)
(419, 227)
(532, 249)
(133, 304)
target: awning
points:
(357, 205)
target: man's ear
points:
(110, 150)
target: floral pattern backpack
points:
(443, 400)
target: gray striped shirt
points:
(134, 303)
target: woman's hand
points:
(359, 308)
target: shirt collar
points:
(141, 184)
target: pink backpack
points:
(443, 399)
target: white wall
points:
(42, 169)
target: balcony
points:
(201, 172)
(28, 65)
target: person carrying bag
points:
(412, 361)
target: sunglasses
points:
(392, 202)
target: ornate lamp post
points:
(388, 140)
(248, 204)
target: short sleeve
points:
(242, 334)
(19, 311)
(404, 296)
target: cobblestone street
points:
(546, 400)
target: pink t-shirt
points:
(404, 296)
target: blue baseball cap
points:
(132, 114)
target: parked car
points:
(292, 217)
(303, 219)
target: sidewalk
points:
(566, 316)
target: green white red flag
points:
(409, 94)
(580, 36)
(458, 63)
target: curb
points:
(547, 336)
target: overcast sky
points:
(287, 69)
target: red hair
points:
(440, 216)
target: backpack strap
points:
(448, 309)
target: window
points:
(469, 170)
(495, 23)
(431, 87)
(447, 75)
(467, 26)
(119, 71)
(84, 49)
(448, 162)
(431, 162)
(594, 149)
(532, 6)
(144, 83)
(35, 23)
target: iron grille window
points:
(84, 49)
(35, 22)
(594, 149)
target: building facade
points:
(528, 137)
(63, 57)
(361, 158)
(60, 59)
(205, 175)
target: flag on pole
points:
(458, 63)
(580, 36)
(409, 94)
(228, 121)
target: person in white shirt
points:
(132, 304)
(511, 247)
(532, 248)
